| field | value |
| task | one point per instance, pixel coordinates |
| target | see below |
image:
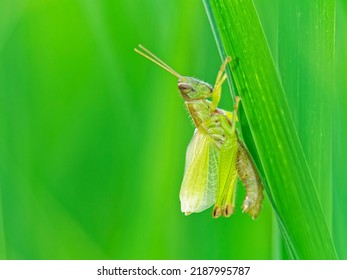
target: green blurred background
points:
(93, 136)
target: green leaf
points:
(272, 136)
(340, 133)
(306, 64)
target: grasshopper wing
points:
(251, 180)
(198, 191)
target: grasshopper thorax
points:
(192, 89)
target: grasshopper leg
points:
(225, 200)
(217, 89)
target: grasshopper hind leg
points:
(225, 200)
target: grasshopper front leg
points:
(217, 89)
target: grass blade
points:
(306, 64)
(340, 133)
(290, 186)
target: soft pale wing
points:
(227, 177)
(198, 191)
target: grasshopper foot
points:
(217, 212)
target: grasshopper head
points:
(192, 89)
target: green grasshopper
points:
(215, 156)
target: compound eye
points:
(184, 88)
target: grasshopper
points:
(215, 156)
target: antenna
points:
(147, 54)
